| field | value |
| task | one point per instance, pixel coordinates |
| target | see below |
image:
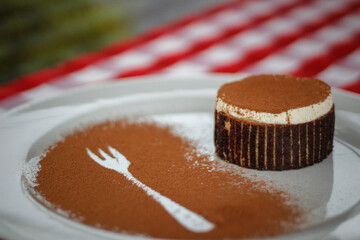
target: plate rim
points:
(154, 78)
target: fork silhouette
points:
(182, 215)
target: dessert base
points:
(273, 146)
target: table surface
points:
(316, 38)
(312, 38)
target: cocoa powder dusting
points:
(274, 93)
(239, 206)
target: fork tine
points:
(104, 154)
(117, 154)
(94, 156)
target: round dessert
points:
(274, 122)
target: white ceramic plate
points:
(329, 190)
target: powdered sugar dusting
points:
(31, 168)
(196, 128)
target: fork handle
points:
(182, 215)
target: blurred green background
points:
(41, 33)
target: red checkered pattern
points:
(315, 38)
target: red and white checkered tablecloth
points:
(318, 38)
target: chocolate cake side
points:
(273, 146)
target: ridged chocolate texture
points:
(273, 146)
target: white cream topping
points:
(292, 116)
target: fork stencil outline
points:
(188, 219)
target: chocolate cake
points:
(274, 122)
